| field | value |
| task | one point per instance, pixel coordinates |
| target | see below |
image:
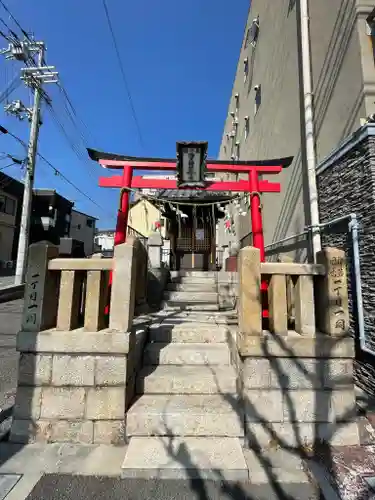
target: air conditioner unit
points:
(235, 122)
(233, 133)
(238, 143)
(246, 118)
(236, 96)
(232, 114)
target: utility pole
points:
(33, 77)
(309, 119)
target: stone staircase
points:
(187, 420)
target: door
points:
(194, 248)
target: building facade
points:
(144, 217)
(266, 113)
(83, 228)
(11, 193)
(51, 216)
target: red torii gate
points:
(253, 185)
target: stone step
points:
(193, 274)
(176, 305)
(188, 333)
(192, 287)
(192, 297)
(176, 316)
(188, 415)
(169, 379)
(157, 353)
(185, 458)
(194, 280)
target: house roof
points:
(86, 215)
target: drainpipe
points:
(309, 120)
(353, 228)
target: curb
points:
(11, 292)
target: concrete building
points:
(11, 192)
(50, 217)
(105, 241)
(144, 216)
(83, 228)
(265, 115)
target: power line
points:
(14, 20)
(7, 166)
(70, 182)
(125, 81)
(56, 170)
(15, 83)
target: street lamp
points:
(191, 164)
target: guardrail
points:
(11, 292)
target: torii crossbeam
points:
(253, 185)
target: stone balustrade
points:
(78, 364)
(296, 366)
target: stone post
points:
(250, 303)
(74, 386)
(41, 289)
(332, 308)
(289, 289)
(158, 274)
(300, 385)
(123, 287)
(155, 244)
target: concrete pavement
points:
(10, 320)
(67, 472)
(6, 281)
(56, 487)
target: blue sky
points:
(180, 59)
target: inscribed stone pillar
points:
(41, 289)
(332, 293)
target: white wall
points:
(82, 228)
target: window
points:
(237, 102)
(291, 6)
(10, 206)
(238, 146)
(247, 127)
(258, 98)
(252, 33)
(371, 31)
(246, 68)
(7, 205)
(90, 223)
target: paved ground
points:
(6, 281)
(58, 487)
(47, 473)
(10, 320)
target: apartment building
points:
(83, 228)
(11, 192)
(266, 111)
